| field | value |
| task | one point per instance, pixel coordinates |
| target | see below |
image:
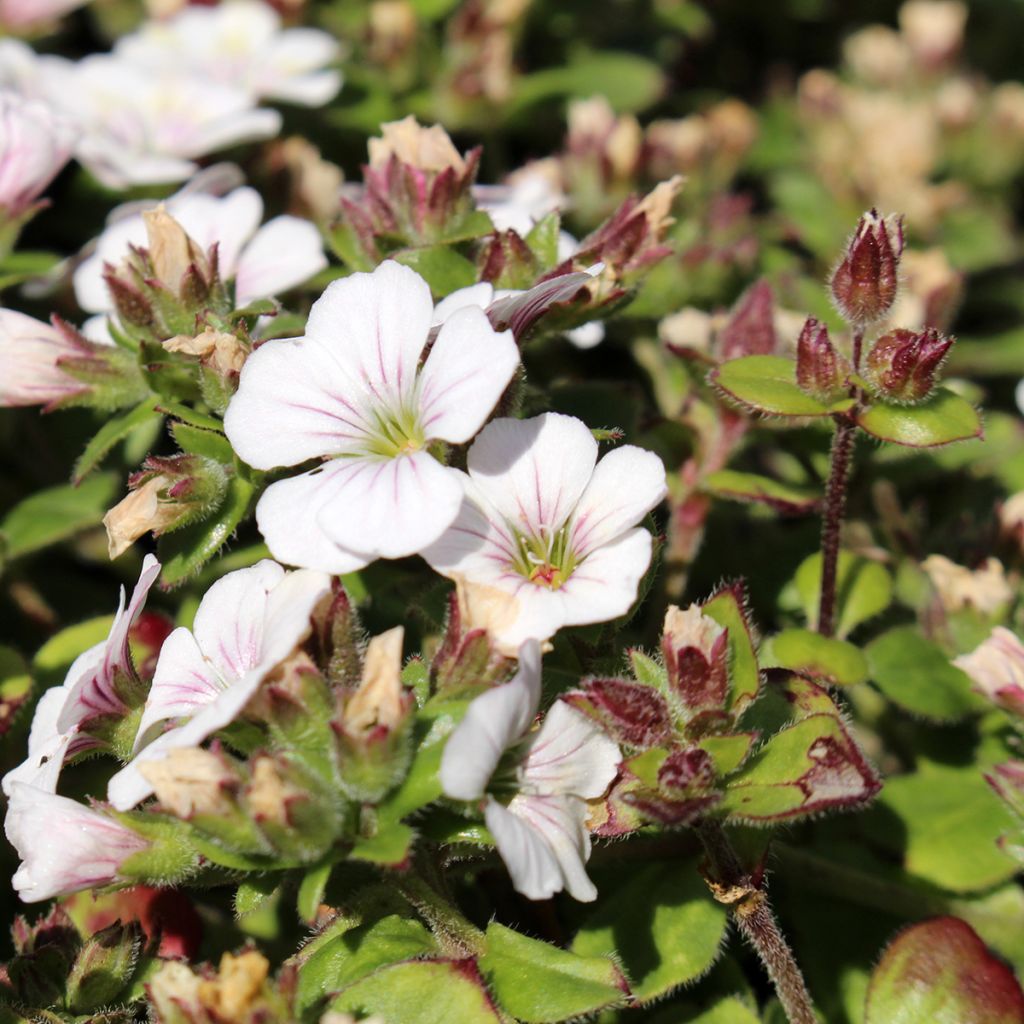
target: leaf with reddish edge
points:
(810, 767)
(786, 499)
(728, 608)
(940, 972)
(941, 419)
(767, 384)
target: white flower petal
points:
(284, 253)
(468, 368)
(376, 326)
(390, 508)
(587, 335)
(480, 295)
(294, 402)
(493, 722)
(47, 746)
(627, 483)
(289, 612)
(288, 517)
(307, 90)
(228, 221)
(533, 471)
(571, 755)
(605, 585)
(531, 862)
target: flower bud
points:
(467, 658)
(172, 252)
(103, 968)
(169, 492)
(996, 668)
(696, 657)
(632, 714)
(1007, 779)
(984, 589)
(902, 364)
(193, 782)
(820, 370)
(933, 29)
(1011, 520)
(31, 353)
(865, 283)
(750, 329)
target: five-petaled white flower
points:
(64, 846)
(89, 691)
(247, 623)
(240, 44)
(547, 524)
(541, 832)
(262, 261)
(354, 391)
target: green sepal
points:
(728, 610)
(444, 269)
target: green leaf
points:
(662, 925)
(543, 239)
(358, 951)
(421, 992)
(444, 269)
(942, 419)
(726, 608)
(946, 823)
(56, 513)
(916, 675)
(433, 10)
(728, 752)
(114, 430)
(16, 267)
(184, 552)
(809, 767)
(253, 893)
(863, 589)
(940, 972)
(54, 658)
(834, 661)
(538, 983)
(311, 890)
(648, 671)
(211, 444)
(751, 487)
(767, 384)
(390, 846)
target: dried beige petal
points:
(690, 627)
(170, 248)
(427, 149)
(189, 782)
(139, 511)
(379, 698)
(985, 589)
(238, 984)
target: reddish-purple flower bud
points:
(634, 715)
(902, 364)
(696, 657)
(820, 370)
(864, 284)
(686, 773)
(750, 330)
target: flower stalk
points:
(835, 503)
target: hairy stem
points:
(858, 345)
(754, 917)
(835, 503)
(458, 936)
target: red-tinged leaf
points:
(728, 609)
(635, 715)
(810, 767)
(940, 972)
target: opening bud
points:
(902, 364)
(172, 252)
(820, 370)
(865, 283)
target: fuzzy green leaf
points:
(661, 923)
(863, 589)
(390, 846)
(726, 608)
(311, 890)
(834, 661)
(762, 490)
(766, 384)
(942, 419)
(116, 429)
(211, 444)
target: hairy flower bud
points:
(696, 657)
(820, 370)
(171, 250)
(632, 714)
(902, 364)
(750, 329)
(104, 967)
(865, 283)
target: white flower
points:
(248, 622)
(63, 845)
(27, 13)
(89, 690)
(262, 261)
(29, 354)
(547, 523)
(353, 390)
(541, 832)
(996, 667)
(240, 44)
(35, 143)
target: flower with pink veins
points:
(262, 261)
(89, 691)
(64, 846)
(996, 667)
(35, 143)
(247, 623)
(357, 392)
(534, 784)
(18, 14)
(240, 44)
(550, 527)
(30, 354)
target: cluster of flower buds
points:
(865, 282)
(902, 364)
(821, 371)
(417, 191)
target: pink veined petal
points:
(284, 253)
(93, 692)
(229, 221)
(289, 611)
(559, 822)
(128, 787)
(183, 682)
(47, 747)
(532, 864)
(230, 620)
(288, 517)
(627, 483)
(480, 295)
(570, 755)
(533, 471)
(376, 326)
(390, 508)
(605, 585)
(493, 722)
(468, 368)
(294, 402)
